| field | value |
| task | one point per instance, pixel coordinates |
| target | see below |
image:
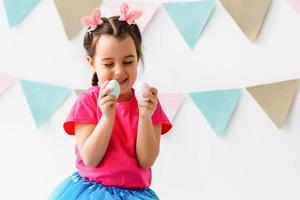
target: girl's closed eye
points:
(129, 62)
(108, 64)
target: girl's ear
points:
(90, 61)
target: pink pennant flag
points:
(295, 5)
(147, 8)
(5, 82)
(170, 103)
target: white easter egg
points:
(140, 89)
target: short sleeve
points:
(84, 110)
(159, 117)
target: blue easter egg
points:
(115, 88)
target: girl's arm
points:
(148, 136)
(148, 142)
(92, 140)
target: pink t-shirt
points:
(119, 166)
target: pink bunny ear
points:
(86, 21)
(93, 21)
(129, 17)
(133, 15)
(96, 14)
(97, 17)
(124, 9)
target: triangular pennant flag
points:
(77, 91)
(171, 103)
(295, 5)
(5, 82)
(190, 18)
(16, 10)
(217, 106)
(71, 12)
(275, 99)
(148, 9)
(248, 14)
(43, 99)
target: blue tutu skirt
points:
(76, 187)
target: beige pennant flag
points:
(248, 14)
(275, 99)
(77, 91)
(71, 11)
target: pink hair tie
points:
(93, 21)
(127, 16)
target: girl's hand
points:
(107, 103)
(148, 105)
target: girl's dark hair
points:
(119, 29)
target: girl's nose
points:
(119, 69)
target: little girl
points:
(117, 138)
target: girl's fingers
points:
(103, 89)
(147, 104)
(104, 92)
(154, 91)
(152, 98)
(146, 107)
(146, 94)
(111, 103)
(103, 85)
(106, 99)
(149, 98)
(151, 94)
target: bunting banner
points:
(170, 103)
(70, 13)
(16, 10)
(275, 99)
(190, 18)
(5, 82)
(217, 106)
(148, 9)
(43, 99)
(248, 14)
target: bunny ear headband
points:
(93, 21)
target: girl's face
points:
(116, 59)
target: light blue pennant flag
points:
(190, 17)
(217, 106)
(16, 10)
(43, 99)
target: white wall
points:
(254, 160)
